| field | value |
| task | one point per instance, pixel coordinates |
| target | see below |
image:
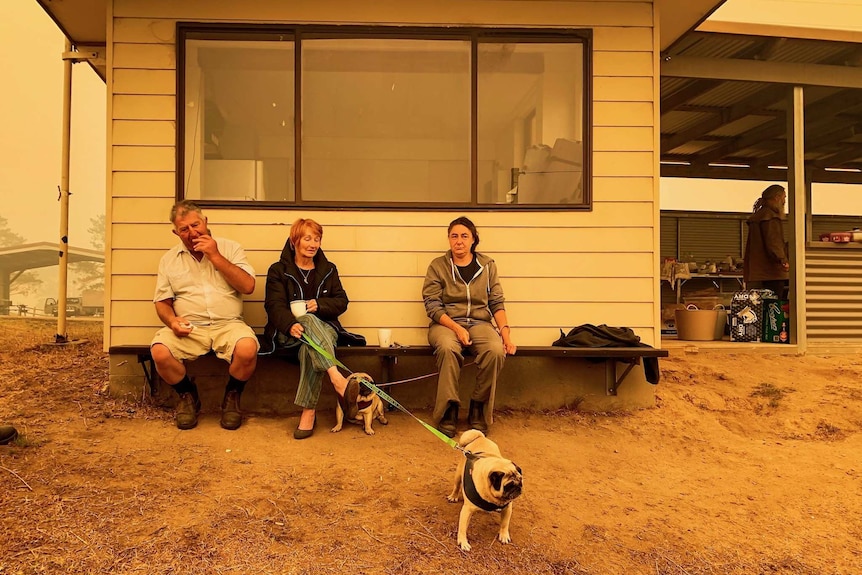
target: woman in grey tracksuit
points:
(464, 299)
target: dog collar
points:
(470, 488)
(363, 404)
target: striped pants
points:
(312, 365)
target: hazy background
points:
(31, 108)
(31, 112)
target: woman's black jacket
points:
(284, 284)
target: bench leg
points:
(611, 381)
(149, 367)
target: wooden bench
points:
(388, 357)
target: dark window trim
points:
(297, 33)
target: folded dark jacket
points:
(589, 335)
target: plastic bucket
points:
(694, 324)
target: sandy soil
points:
(748, 464)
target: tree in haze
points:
(23, 283)
(91, 275)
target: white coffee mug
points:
(384, 337)
(298, 308)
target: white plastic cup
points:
(384, 337)
(298, 308)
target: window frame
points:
(297, 33)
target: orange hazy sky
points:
(31, 101)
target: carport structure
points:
(16, 260)
(744, 102)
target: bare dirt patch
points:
(749, 464)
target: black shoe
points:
(477, 416)
(305, 433)
(348, 400)
(8, 434)
(449, 424)
(231, 417)
(187, 411)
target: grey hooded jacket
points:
(445, 292)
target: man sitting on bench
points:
(199, 298)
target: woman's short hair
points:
(299, 227)
(465, 221)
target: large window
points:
(382, 117)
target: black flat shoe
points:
(350, 397)
(8, 434)
(305, 433)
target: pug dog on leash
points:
(487, 481)
(370, 407)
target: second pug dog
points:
(370, 406)
(487, 481)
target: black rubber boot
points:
(449, 424)
(477, 416)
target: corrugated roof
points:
(713, 121)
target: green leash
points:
(447, 440)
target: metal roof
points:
(43, 254)
(84, 23)
(725, 101)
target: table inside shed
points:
(723, 284)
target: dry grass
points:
(76, 497)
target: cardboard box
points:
(776, 321)
(747, 313)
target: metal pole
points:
(797, 200)
(64, 199)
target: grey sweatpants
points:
(449, 354)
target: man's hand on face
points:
(205, 244)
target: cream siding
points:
(144, 159)
(614, 89)
(144, 133)
(147, 107)
(145, 82)
(616, 139)
(144, 184)
(559, 269)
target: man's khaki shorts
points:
(221, 338)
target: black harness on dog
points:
(470, 488)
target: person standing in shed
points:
(766, 265)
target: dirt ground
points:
(748, 464)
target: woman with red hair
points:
(303, 274)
